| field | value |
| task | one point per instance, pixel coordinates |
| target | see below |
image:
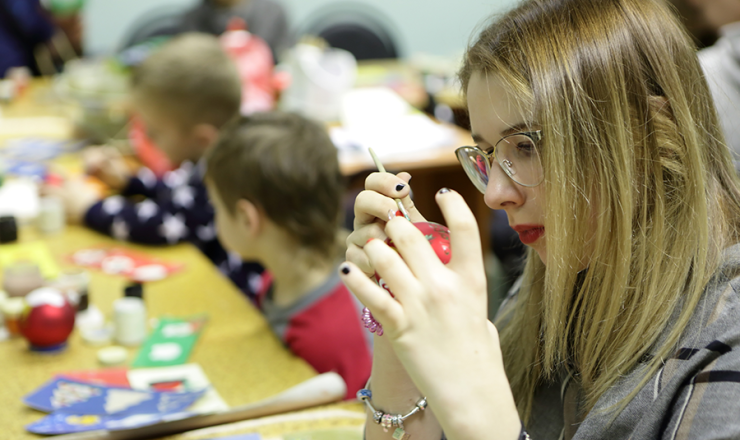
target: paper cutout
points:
(170, 343)
(118, 400)
(73, 397)
(120, 261)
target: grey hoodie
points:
(695, 395)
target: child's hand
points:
(437, 323)
(107, 164)
(371, 213)
(77, 195)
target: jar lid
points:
(134, 290)
(112, 355)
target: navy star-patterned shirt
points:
(169, 211)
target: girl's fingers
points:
(383, 307)
(408, 202)
(394, 187)
(371, 206)
(392, 270)
(356, 255)
(414, 248)
(389, 184)
(467, 255)
(356, 241)
(363, 233)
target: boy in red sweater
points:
(275, 184)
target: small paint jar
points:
(51, 215)
(129, 318)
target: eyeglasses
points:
(517, 154)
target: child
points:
(596, 135)
(184, 93)
(275, 183)
(266, 19)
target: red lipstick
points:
(528, 234)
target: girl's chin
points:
(541, 252)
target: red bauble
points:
(48, 319)
(437, 235)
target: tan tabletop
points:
(243, 359)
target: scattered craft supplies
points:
(77, 406)
(319, 390)
(188, 377)
(75, 397)
(121, 261)
(171, 342)
(60, 423)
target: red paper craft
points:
(112, 377)
(121, 261)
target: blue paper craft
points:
(37, 149)
(20, 168)
(77, 397)
(60, 423)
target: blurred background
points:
(429, 26)
(434, 27)
(355, 65)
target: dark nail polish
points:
(345, 270)
(400, 186)
(444, 190)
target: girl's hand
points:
(371, 213)
(437, 323)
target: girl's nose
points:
(501, 191)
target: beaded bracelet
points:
(370, 323)
(388, 421)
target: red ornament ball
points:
(48, 319)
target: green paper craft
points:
(170, 343)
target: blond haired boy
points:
(184, 93)
(274, 180)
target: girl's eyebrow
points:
(516, 128)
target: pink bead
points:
(370, 323)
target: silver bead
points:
(377, 416)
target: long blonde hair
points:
(640, 187)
